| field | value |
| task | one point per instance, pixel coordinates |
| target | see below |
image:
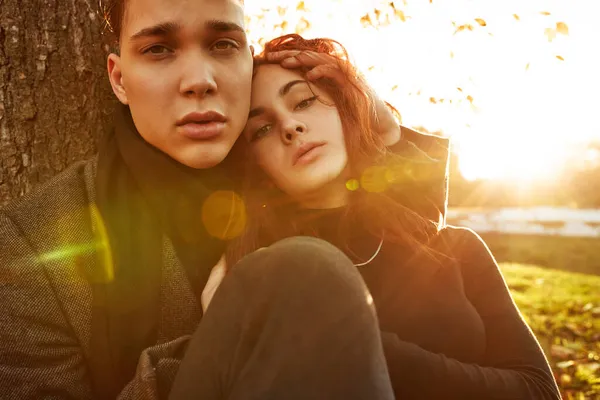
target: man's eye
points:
(157, 49)
(224, 45)
(305, 103)
(261, 132)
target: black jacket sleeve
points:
(514, 366)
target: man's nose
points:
(198, 78)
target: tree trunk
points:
(55, 99)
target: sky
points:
(518, 96)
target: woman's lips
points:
(307, 153)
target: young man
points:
(102, 267)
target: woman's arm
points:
(514, 366)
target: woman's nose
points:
(292, 130)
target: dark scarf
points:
(143, 194)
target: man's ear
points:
(113, 65)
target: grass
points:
(562, 253)
(563, 309)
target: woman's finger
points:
(326, 71)
(280, 55)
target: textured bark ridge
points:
(55, 100)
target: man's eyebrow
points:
(223, 26)
(162, 29)
(255, 112)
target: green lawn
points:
(563, 309)
(574, 254)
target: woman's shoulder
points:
(464, 246)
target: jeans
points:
(291, 321)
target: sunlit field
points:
(563, 310)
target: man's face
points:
(185, 70)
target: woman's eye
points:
(261, 132)
(305, 103)
(157, 50)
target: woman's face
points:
(295, 133)
(185, 70)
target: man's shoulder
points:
(54, 202)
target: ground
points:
(563, 310)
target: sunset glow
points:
(517, 87)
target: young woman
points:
(449, 327)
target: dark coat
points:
(51, 244)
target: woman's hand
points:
(325, 66)
(214, 280)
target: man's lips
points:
(201, 117)
(303, 151)
(202, 125)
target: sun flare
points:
(514, 83)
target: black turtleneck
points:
(450, 329)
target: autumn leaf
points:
(366, 20)
(400, 14)
(394, 87)
(481, 21)
(544, 13)
(459, 29)
(459, 89)
(516, 17)
(470, 98)
(527, 67)
(302, 26)
(550, 34)
(451, 54)
(432, 100)
(560, 58)
(301, 7)
(562, 28)
(281, 10)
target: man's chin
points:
(209, 157)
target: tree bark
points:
(55, 99)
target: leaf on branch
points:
(550, 34)
(366, 20)
(562, 28)
(302, 26)
(400, 14)
(481, 21)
